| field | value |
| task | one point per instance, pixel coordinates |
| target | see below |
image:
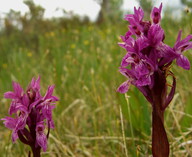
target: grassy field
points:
(91, 119)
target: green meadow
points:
(91, 119)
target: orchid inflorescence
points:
(148, 53)
(33, 113)
(146, 65)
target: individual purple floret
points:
(146, 65)
(156, 14)
(32, 114)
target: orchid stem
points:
(36, 151)
(160, 143)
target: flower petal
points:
(183, 62)
(156, 14)
(12, 108)
(182, 45)
(155, 35)
(10, 95)
(25, 100)
(124, 87)
(49, 93)
(41, 138)
(17, 89)
(9, 122)
(127, 59)
(143, 81)
(47, 111)
(14, 136)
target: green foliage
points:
(36, 12)
(187, 3)
(110, 10)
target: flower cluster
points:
(146, 52)
(147, 66)
(32, 113)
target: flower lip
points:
(137, 31)
(156, 14)
(124, 87)
(135, 57)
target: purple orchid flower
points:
(181, 46)
(156, 14)
(33, 113)
(41, 138)
(135, 21)
(146, 65)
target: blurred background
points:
(73, 44)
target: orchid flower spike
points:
(32, 113)
(146, 65)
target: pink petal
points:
(183, 62)
(10, 95)
(17, 89)
(124, 87)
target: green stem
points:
(129, 116)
